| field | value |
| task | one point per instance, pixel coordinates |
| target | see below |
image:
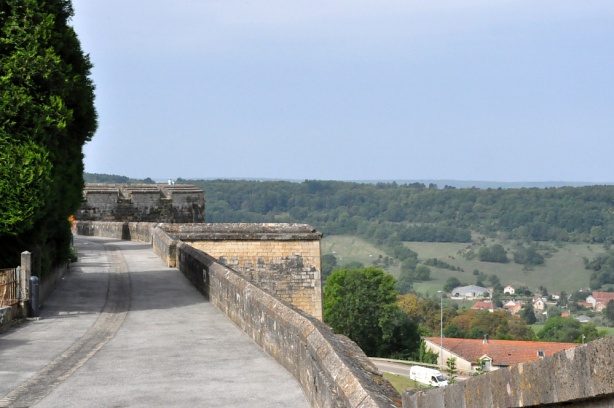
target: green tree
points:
(493, 253)
(452, 371)
(528, 314)
(451, 283)
(361, 304)
(567, 330)
(528, 256)
(329, 262)
(405, 281)
(425, 355)
(46, 115)
(25, 173)
(422, 273)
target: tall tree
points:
(528, 314)
(361, 304)
(46, 115)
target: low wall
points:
(332, 370)
(117, 230)
(580, 377)
(283, 259)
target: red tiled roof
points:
(603, 297)
(502, 352)
(482, 305)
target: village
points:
(473, 356)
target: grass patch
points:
(564, 270)
(402, 383)
(349, 248)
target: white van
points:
(427, 376)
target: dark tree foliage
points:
(528, 256)
(46, 115)
(603, 270)
(528, 314)
(475, 324)
(386, 214)
(451, 283)
(415, 212)
(361, 304)
(329, 262)
(493, 253)
(566, 329)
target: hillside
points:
(564, 270)
(409, 223)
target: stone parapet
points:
(582, 377)
(333, 370)
(142, 203)
(283, 259)
(243, 232)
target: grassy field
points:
(348, 248)
(402, 383)
(564, 270)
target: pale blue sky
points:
(502, 90)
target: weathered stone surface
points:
(332, 370)
(290, 270)
(580, 377)
(142, 202)
(242, 231)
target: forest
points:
(415, 212)
(389, 214)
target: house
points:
(513, 307)
(483, 305)
(493, 354)
(539, 304)
(599, 300)
(565, 313)
(585, 305)
(509, 290)
(469, 292)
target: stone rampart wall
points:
(579, 377)
(332, 370)
(283, 259)
(142, 203)
(288, 269)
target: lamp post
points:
(440, 327)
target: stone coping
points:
(242, 231)
(571, 377)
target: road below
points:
(123, 330)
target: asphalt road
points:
(123, 330)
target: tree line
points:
(415, 212)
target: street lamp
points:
(440, 327)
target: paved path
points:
(122, 330)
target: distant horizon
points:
(439, 182)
